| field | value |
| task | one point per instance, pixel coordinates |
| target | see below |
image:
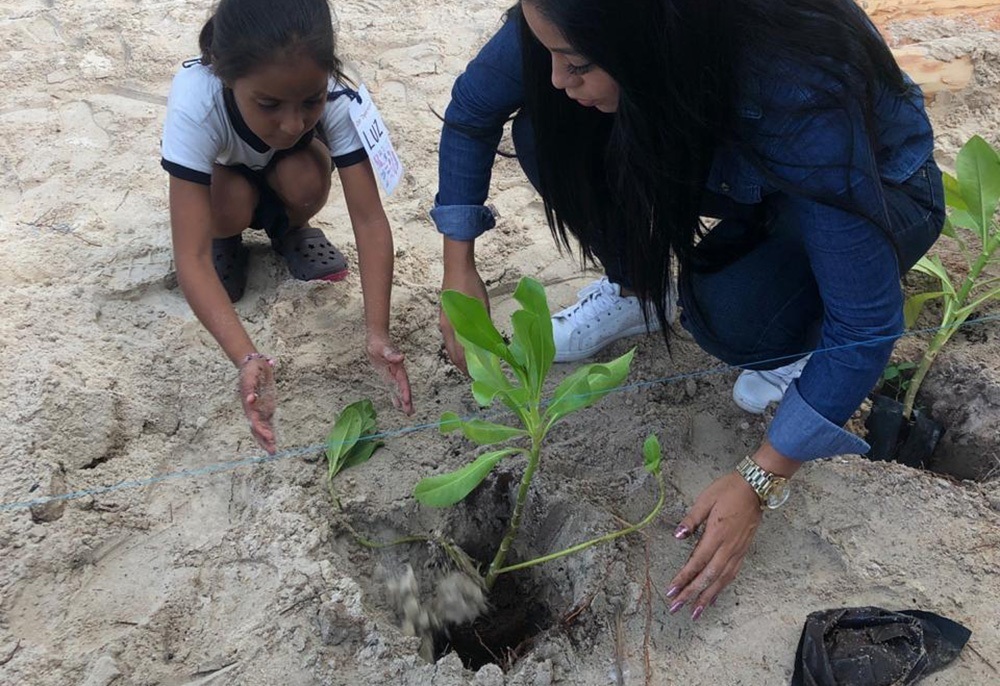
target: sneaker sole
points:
(748, 406)
(577, 355)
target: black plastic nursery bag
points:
(869, 646)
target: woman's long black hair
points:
(636, 178)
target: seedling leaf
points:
(587, 385)
(933, 266)
(450, 422)
(361, 453)
(978, 170)
(532, 343)
(487, 433)
(344, 447)
(953, 193)
(914, 305)
(651, 454)
(487, 375)
(977, 303)
(531, 349)
(345, 433)
(445, 490)
(473, 325)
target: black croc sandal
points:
(309, 255)
(230, 259)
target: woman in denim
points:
(785, 121)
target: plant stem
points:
(950, 321)
(588, 544)
(940, 338)
(515, 520)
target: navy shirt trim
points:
(240, 125)
(186, 174)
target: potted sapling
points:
(900, 430)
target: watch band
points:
(756, 476)
(772, 490)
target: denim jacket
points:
(862, 305)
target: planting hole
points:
(505, 633)
(438, 603)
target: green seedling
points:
(351, 441)
(972, 196)
(895, 376)
(514, 374)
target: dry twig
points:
(978, 654)
(10, 657)
(579, 609)
(647, 631)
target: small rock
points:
(691, 388)
(745, 425)
(543, 674)
(633, 595)
(58, 77)
(104, 672)
(489, 675)
(450, 666)
(52, 510)
(97, 66)
(533, 674)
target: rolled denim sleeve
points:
(800, 432)
(482, 100)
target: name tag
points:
(375, 136)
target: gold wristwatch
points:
(772, 490)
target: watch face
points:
(778, 494)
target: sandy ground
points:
(244, 575)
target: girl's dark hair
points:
(243, 35)
(636, 178)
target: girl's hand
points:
(388, 362)
(257, 393)
(730, 511)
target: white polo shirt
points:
(204, 127)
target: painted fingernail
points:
(681, 532)
(674, 590)
(697, 612)
(676, 606)
(712, 604)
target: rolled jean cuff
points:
(801, 433)
(463, 222)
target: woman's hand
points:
(388, 363)
(730, 512)
(257, 393)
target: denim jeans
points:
(765, 310)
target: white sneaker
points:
(600, 317)
(754, 390)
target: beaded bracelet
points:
(257, 356)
